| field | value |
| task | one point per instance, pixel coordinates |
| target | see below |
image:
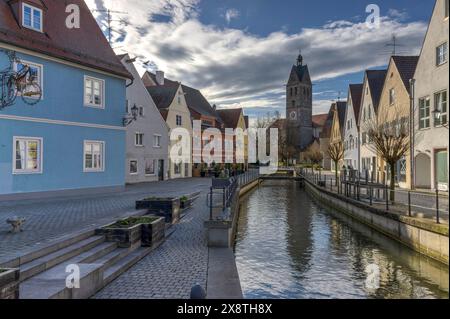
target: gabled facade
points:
(395, 105)
(338, 127)
(73, 139)
(235, 119)
(147, 141)
(325, 136)
(431, 104)
(299, 107)
(372, 87)
(170, 99)
(351, 129)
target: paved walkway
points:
(173, 268)
(49, 219)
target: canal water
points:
(288, 246)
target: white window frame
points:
(136, 139)
(40, 68)
(155, 138)
(441, 123)
(181, 120)
(25, 5)
(444, 55)
(102, 91)
(94, 170)
(425, 118)
(141, 111)
(155, 163)
(40, 158)
(137, 167)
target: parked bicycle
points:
(16, 82)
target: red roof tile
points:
(86, 46)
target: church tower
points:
(299, 106)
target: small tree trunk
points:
(336, 172)
(392, 186)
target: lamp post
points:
(129, 118)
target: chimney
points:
(160, 77)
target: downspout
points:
(412, 141)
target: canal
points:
(288, 246)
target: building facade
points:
(147, 141)
(351, 129)
(372, 87)
(394, 107)
(299, 107)
(72, 140)
(170, 100)
(431, 104)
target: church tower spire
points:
(300, 59)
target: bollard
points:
(197, 292)
(437, 207)
(409, 204)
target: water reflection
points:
(290, 247)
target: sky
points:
(239, 53)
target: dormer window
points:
(31, 17)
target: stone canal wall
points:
(425, 237)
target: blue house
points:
(72, 140)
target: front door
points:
(186, 170)
(441, 171)
(161, 170)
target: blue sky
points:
(239, 52)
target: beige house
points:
(338, 128)
(431, 104)
(170, 99)
(372, 87)
(395, 105)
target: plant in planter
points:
(128, 232)
(9, 283)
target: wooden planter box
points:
(9, 283)
(124, 237)
(153, 233)
(166, 207)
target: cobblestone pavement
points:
(173, 268)
(49, 219)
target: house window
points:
(157, 141)
(31, 17)
(292, 91)
(133, 167)
(94, 156)
(364, 138)
(391, 96)
(296, 90)
(150, 165)
(293, 103)
(440, 105)
(441, 54)
(370, 112)
(179, 120)
(141, 111)
(139, 139)
(27, 155)
(94, 92)
(177, 169)
(364, 114)
(424, 113)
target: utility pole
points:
(412, 139)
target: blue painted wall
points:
(63, 144)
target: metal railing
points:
(432, 205)
(222, 192)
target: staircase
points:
(43, 273)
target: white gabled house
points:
(351, 129)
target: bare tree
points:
(314, 156)
(391, 141)
(336, 153)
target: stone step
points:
(46, 262)
(61, 243)
(124, 264)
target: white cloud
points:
(231, 14)
(233, 67)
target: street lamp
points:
(130, 117)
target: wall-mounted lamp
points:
(129, 118)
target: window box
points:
(187, 201)
(165, 207)
(9, 283)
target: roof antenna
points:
(394, 44)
